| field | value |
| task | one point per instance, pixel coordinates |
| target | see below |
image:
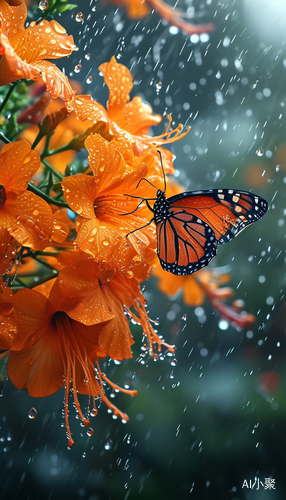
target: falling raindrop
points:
(260, 152)
(77, 68)
(79, 17)
(108, 445)
(32, 413)
(89, 79)
(158, 87)
(174, 362)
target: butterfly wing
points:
(185, 243)
(225, 211)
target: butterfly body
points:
(191, 225)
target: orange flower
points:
(204, 283)
(169, 284)
(7, 246)
(128, 120)
(89, 290)
(136, 9)
(24, 215)
(52, 350)
(83, 292)
(104, 211)
(7, 321)
(126, 286)
(24, 51)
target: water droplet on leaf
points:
(43, 5)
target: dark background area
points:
(201, 428)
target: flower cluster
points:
(75, 242)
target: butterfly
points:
(191, 225)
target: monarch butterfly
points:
(191, 225)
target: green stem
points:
(59, 150)
(44, 263)
(45, 197)
(20, 283)
(37, 140)
(43, 280)
(38, 252)
(4, 102)
(4, 138)
(46, 152)
(52, 169)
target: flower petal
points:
(12, 67)
(98, 239)
(31, 222)
(193, 293)
(80, 192)
(41, 368)
(18, 163)
(12, 17)
(136, 117)
(78, 293)
(8, 323)
(87, 109)
(115, 339)
(33, 315)
(45, 40)
(119, 81)
(168, 283)
(56, 82)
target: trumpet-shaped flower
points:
(88, 290)
(105, 213)
(128, 120)
(52, 350)
(24, 52)
(24, 215)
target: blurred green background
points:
(199, 429)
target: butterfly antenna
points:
(138, 229)
(138, 206)
(144, 179)
(163, 171)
